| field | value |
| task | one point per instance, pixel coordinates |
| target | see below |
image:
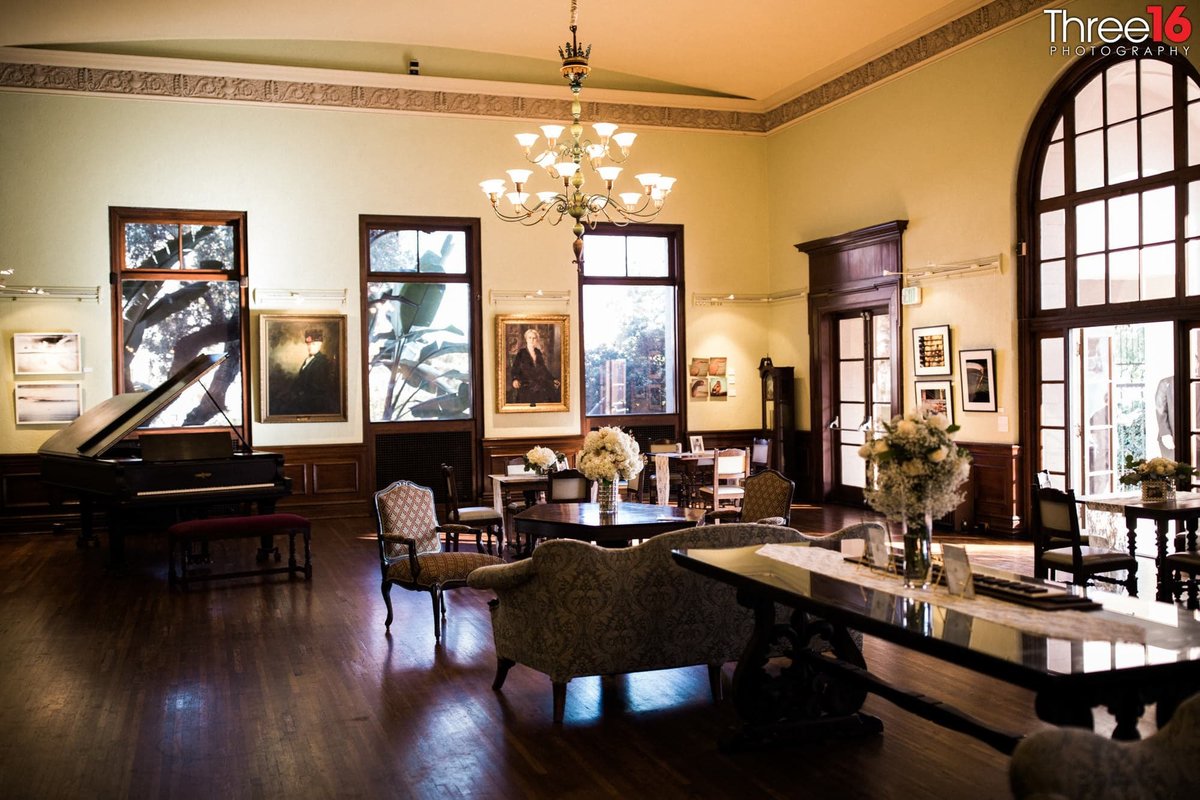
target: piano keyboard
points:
(206, 489)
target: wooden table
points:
(1184, 509)
(528, 482)
(823, 697)
(585, 522)
(690, 464)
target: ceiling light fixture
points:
(566, 160)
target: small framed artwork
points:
(977, 373)
(698, 388)
(716, 365)
(698, 366)
(48, 403)
(46, 354)
(303, 363)
(718, 388)
(931, 350)
(696, 443)
(933, 397)
(532, 362)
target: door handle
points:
(836, 424)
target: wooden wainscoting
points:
(26, 504)
(995, 474)
(328, 480)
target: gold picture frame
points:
(301, 381)
(533, 363)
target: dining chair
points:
(760, 455)
(1058, 544)
(768, 498)
(478, 518)
(1175, 566)
(411, 553)
(568, 486)
(728, 471)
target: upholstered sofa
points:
(575, 609)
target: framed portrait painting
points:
(533, 362)
(303, 363)
(46, 354)
(933, 397)
(931, 350)
(977, 373)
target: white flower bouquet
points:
(917, 468)
(543, 460)
(609, 454)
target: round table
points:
(585, 522)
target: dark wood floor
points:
(113, 686)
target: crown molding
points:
(24, 69)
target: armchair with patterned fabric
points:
(767, 499)
(410, 549)
(576, 609)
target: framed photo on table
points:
(933, 397)
(977, 374)
(931, 350)
(533, 362)
(303, 363)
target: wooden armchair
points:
(411, 555)
(1058, 544)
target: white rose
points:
(939, 422)
(939, 454)
(906, 427)
(866, 450)
(881, 446)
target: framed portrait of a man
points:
(303, 364)
(532, 362)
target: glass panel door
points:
(862, 394)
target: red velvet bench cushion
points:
(262, 525)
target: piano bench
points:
(182, 535)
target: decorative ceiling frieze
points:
(137, 83)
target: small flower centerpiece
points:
(543, 460)
(1157, 476)
(608, 455)
(917, 470)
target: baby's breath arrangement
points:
(917, 468)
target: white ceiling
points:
(767, 51)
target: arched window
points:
(1109, 293)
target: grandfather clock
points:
(778, 412)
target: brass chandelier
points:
(565, 160)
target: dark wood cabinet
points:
(778, 412)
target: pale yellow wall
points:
(303, 176)
(939, 147)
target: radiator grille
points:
(418, 457)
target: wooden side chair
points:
(728, 471)
(1059, 544)
(568, 486)
(1175, 566)
(478, 518)
(411, 554)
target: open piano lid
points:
(99, 428)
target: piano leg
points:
(87, 532)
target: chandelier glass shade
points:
(566, 159)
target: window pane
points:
(168, 323)
(852, 415)
(1156, 85)
(392, 251)
(1123, 278)
(1089, 160)
(854, 468)
(1053, 407)
(208, 247)
(883, 335)
(1158, 272)
(647, 256)
(1122, 91)
(1158, 215)
(1052, 172)
(1089, 108)
(1089, 289)
(604, 256)
(1123, 221)
(1053, 237)
(850, 338)
(883, 381)
(1158, 144)
(1193, 134)
(156, 246)
(1054, 450)
(419, 352)
(1052, 359)
(851, 385)
(1122, 153)
(442, 252)
(1191, 221)
(1053, 285)
(1089, 227)
(1193, 267)
(630, 328)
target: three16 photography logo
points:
(1163, 30)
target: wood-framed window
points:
(179, 290)
(631, 310)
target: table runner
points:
(1081, 625)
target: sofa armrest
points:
(502, 576)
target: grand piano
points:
(187, 471)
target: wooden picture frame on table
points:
(533, 362)
(302, 359)
(931, 350)
(977, 377)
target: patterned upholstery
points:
(768, 496)
(833, 541)
(1070, 763)
(575, 609)
(410, 548)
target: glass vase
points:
(1154, 491)
(606, 496)
(918, 552)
